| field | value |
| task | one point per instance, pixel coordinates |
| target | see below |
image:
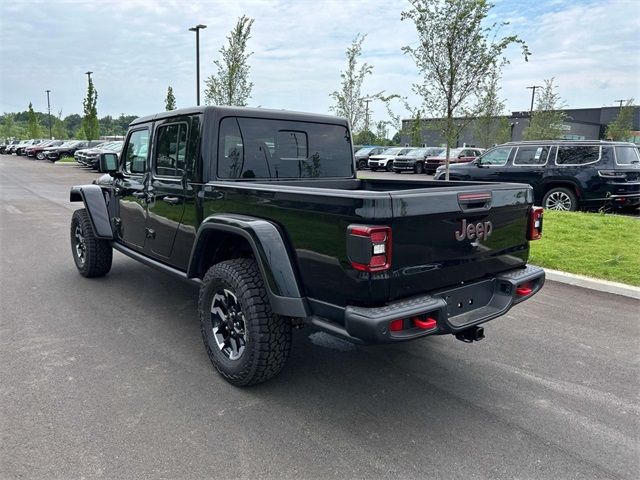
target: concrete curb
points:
(593, 283)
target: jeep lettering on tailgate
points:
(480, 230)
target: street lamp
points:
(533, 95)
(88, 74)
(197, 29)
(49, 109)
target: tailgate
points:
(442, 238)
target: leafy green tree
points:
(546, 121)
(33, 127)
(489, 128)
(58, 129)
(416, 129)
(231, 85)
(73, 124)
(364, 137)
(382, 131)
(90, 125)
(170, 101)
(455, 52)
(8, 128)
(622, 126)
(349, 101)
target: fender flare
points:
(270, 251)
(94, 202)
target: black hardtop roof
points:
(224, 111)
(566, 142)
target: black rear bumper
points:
(454, 309)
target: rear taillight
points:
(611, 174)
(535, 223)
(369, 248)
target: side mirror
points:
(478, 162)
(109, 163)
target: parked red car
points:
(38, 150)
(456, 155)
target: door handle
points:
(171, 200)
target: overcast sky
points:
(136, 48)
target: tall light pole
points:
(197, 29)
(49, 109)
(533, 96)
(88, 74)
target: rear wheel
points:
(92, 255)
(419, 168)
(245, 341)
(560, 198)
(389, 167)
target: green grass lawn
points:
(66, 160)
(591, 244)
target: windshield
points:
(392, 151)
(627, 155)
(364, 151)
(417, 152)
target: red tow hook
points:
(427, 324)
(523, 291)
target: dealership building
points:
(579, 124)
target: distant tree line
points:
(19, 125)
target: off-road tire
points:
(268, 336)
(98, 253)
(560, 198)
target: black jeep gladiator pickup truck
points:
(264, 211)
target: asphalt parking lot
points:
(108, 378)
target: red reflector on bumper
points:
(396, 325)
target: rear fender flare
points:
(94, 201)
(270, 251)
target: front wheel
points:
(560, 198)
(362, 164)
(245, 341)
(40, 156)
(419, 168)
(92, 255)
(389, 167)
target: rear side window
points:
(577, 155)
(263, 148)
(627, 155)
(531, 156)
(171, 149)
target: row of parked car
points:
(85, 152)
(565, 175)
(411, 159)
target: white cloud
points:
(137, 48)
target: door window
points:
(531, 156)
(496, 157)
(137, 152)
(171, 149)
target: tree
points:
(8, 129)
(364, 137)
(455, 52)
(90, 125)
(58, 130)
(488, 128)
(349, 102)
(170, 101)
(33, 128)
(546, 121)
(231, 85)
(622, 126)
